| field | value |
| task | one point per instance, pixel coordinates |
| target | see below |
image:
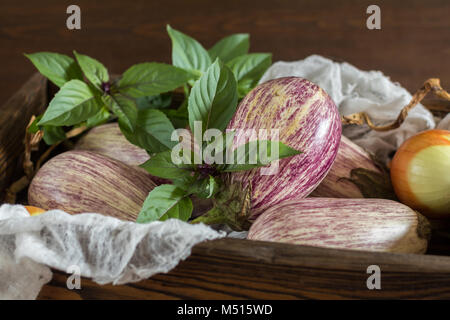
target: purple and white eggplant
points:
(359, 224)
(83, 181)
(354, 174)
(307, 120)
(109, 141)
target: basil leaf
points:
(246, 157)
(220, 146)
(73, 103)
(213, 98)
(179, 118)
(205, 188)
(185, 182)
(124, 108)
(161, 165)
(101, 117)
(153, 131)
(53, 134)
(94, 70)
(245, 86)
(164, 202)
(248, 69)
(188, 53)
(230, 47)
(58, 68)
(182, 211)
(146, 79)
(251, 65)
(160, 101)
(33, 128)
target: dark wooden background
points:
(413, 44)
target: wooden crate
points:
(242, 269)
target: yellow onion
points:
(420, 173)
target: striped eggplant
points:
(82, 181)
(359, 224)
(109, 141)
(354, 174)
(308, 120)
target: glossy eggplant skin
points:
(357, 224)
(307, 120)
(82, 181)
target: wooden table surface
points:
(413, 44)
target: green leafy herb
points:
(248, 156)
(179, 118)
(141, 102)
(164, 202)
(58, 68)
(147, 79)
(213, 98)
(205, 188)
(53, 134)
(75, 102)
(94, 71)
(153, 131)
(185, 182)
(99, 118)
(33, 128)
(159, 101)
(161, 165)
(248, 69)
(124, 108)
(230, 47)
(188, 53)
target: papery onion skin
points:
(308, 120)
(420, 173)
(356, 224)
(81, 181)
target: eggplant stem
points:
(431, 85)
(213, 216)
(218, 216)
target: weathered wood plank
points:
(15, 114)
(242, 269)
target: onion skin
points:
(356, 224)
(337, 183)
(308, 120)
(109, 141)
(420, 173)
(83, 181)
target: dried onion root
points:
(31, 142)
(431, 85)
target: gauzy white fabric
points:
(103, 248)
(354, 91)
